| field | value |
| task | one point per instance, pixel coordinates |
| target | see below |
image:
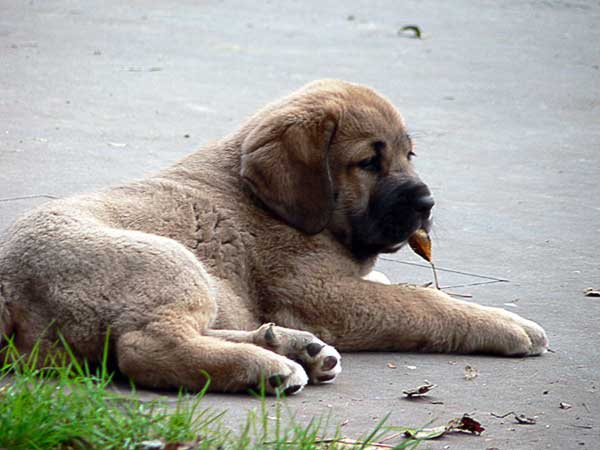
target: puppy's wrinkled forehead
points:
(364, 113)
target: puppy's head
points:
(336, 156)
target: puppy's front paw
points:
(495, 330)
(537, 340)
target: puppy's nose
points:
(423, 203)
(419, 197)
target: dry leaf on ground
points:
(564, 405)
(461, 424)
(391, 365)
(425, 433)
(591, 292)
(420, 390)
(466, 424)
(471, 372)
(161, 444)
(344, 443)
(414, 29)
(524, 420)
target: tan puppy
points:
(277, 223)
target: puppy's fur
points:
(277, 222)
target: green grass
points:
(67, 405)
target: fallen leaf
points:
(161, 444)
(471, 372)
(411, 367)
(564, 405)
(413, 28)
(391, 365)
(343, 443)
(420, 390)
(151, 445)
(512, 305)
(524, 420)
(425, 433)
(461, 424)
(466, 424)
(591, 292)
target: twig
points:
(586, 407)
(391, 436)
(478, 283)
(27, 197)
(460, 272)
(454, 294)
(337, 441)
(435, 278)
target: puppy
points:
(188, 270)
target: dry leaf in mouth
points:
(420, 390)
(471, 372)
(420, 242)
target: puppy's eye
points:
(378, 146)
(411, 155)
(371, 164)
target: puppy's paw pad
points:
(325, 366)
(290, 381)
(314, 349)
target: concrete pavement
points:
(503, 101)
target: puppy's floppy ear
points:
(285, 163)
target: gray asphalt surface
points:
(503, 100)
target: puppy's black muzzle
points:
(399, 206)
